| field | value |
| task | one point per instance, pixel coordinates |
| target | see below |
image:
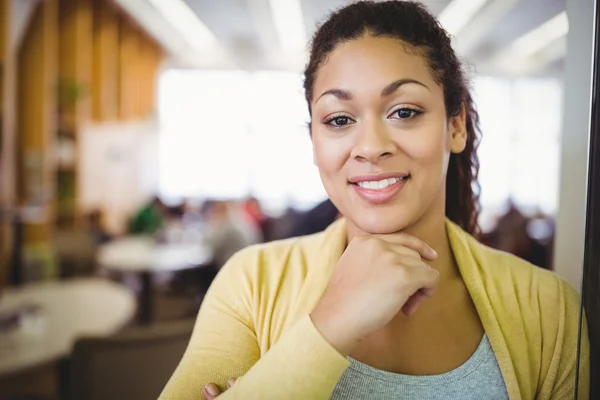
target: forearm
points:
(301, 365)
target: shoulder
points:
(511, 284)
(526, 279)
(268, 264)
(538, 294)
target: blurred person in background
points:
(397, 299)
(252, 209)
(317, 219)
(528, 237)
(149, 218)
(226, 230)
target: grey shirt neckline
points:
(482, 352)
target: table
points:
(143, 256)
(71, 308)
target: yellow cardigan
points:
(254, 323)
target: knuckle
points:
(388, 257)
(404, 274)
(413, 253)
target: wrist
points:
(335, 332)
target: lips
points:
(378, 177)
(379, 188)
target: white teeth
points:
(376, 185)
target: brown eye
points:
(405, 113)
(339, 121)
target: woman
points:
(396, 299)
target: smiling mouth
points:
(380, 184)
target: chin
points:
(380, 223)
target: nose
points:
(373, 144)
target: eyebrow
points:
(345, 95)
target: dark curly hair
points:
(412, 23)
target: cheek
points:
(329, 155)
(427, 149)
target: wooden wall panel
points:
(128, 57)
(76, 52)
(79, 60)
(36, 118)
(105, 68)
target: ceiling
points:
(243, 33)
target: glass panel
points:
(591, 269)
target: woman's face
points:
(381, 137)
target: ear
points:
(457, 129)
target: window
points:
(229, 134)
(520, 148)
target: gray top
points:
(478, 378)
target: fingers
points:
(411, 242)
(426, 282)
(211, 391)
(413, 302)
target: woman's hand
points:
(211, 391)
(376, 277)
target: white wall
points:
(118, 169)
(570, 235)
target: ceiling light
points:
(289, 23)
(480, 27)
(542, 36)
(185, 20)
(458, 13)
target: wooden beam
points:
(36, 95)
(75, 100)
(151, 59)
(106, 62)
(7, 140)
(75, 58)
(128, 58)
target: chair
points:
(76, 251)
(132, 365)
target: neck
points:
(432, 230)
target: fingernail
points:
(433, 252)
(230, 382)
(211, 390)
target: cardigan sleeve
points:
(224, 345)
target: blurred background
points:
(143, 142)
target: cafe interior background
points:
(144, 141)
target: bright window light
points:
(230, 134)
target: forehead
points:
(372, 63)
